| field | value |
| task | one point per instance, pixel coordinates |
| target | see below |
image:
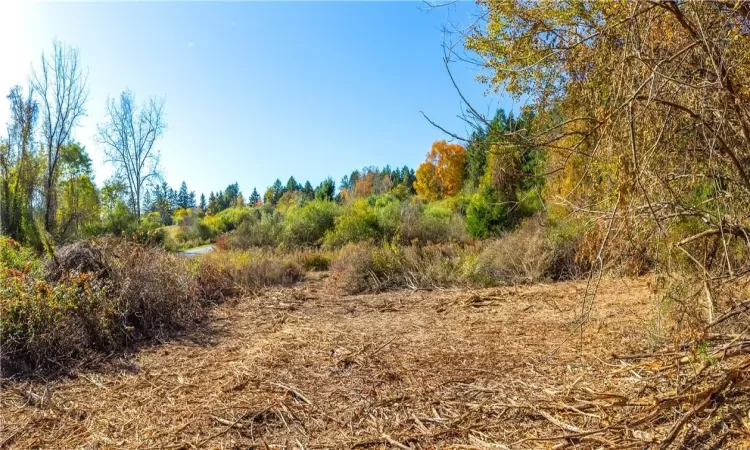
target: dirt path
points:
(197, 251)
(303, 367)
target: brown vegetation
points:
(303, 367)
(97, 297)
(106, 295)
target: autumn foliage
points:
(441, 175)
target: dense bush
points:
(357, 223)
(19, 258)
(231, 218)
(107, 294)
(365, 267)
(522, 256)
(99, 296)
(534, 252)
(487, 214)
(225, 273)
(528, 254)
(429, 224)
(387, 219)
(307, 225)
(259, 230)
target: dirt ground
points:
(304, 367)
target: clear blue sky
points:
(259, 91)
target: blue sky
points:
(256, 91)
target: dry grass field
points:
(304, 367)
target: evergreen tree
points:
(191, 200)
(228, 198)
(275, 191)
(308, 190)
(353, 179)
(164, 202)
(254, 198)
(326, 190)
(148, 203)
(213, 204)
(183, 196)
(202, 205)
(292, 185)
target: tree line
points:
(49, 192)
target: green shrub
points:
(42, 322)
(120, 221)
(231, 218)
(215, 223)
(263, 231)
(487, 214)
(151, 221)
(358, 222)
(389, 219)
(16, 257)
(430, 225)
(306, 226)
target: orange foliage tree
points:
(364, 185)
(441, 175)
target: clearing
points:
(304, 367)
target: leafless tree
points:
(60, 83)
(128, 137)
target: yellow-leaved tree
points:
(441, 175)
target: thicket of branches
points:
(643, 109)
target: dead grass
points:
(365, 267)
(226, 273)
(302, 367)
(528, 254)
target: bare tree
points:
(128, 137)
(61, 86)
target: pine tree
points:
(202, 205)
(183, 197)
(308, 190)
(213, 204)
(277, 190)
(353, 178)
(228, 198)
(147, 202)
(292, 185)
(191, 200)
(254, 198)
(326, 190)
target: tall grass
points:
(530, 254)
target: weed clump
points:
(365, 267)
(225, 273)
(530, 254)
